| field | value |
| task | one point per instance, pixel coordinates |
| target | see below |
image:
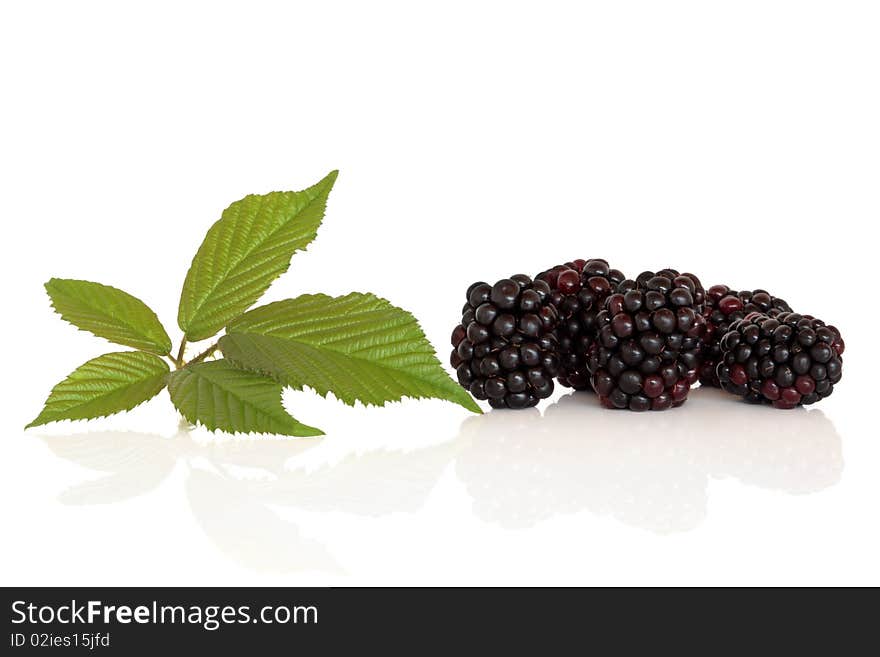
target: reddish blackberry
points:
(787, 360)
(648, 351)
(723, 307)
(578, 291)
(505, 347)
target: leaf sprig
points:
(359, 346)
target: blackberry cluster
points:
(505, 348)
(787, 360)
(578, 290)
(639, 344)
(723, 307)
(649, 337)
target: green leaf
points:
(105, 385)
(248, 248)
(109, 313)
(219, 396)
(359, 347)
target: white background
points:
(475, 140)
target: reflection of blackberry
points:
(522, 469)
(787, 360)
(648, 351)
(578, 291)
(723, 307)
(505, 346)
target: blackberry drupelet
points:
(787, 360)
(578, 290)
(723, 307)
(649, 337)
(505, 349)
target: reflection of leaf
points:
(110, 451)
(139, 461)
(117, 487)
(266, 454)
(371, 484)
(241, 527)
(137, 464)
(250, 532)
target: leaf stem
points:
(207, 352)
(179, 360)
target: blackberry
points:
(649, 337)
(787, 360)
(689, 280)
(578, 292)
(505, 348)
(723, 307)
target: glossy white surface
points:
(473, 142)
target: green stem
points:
(207, 352)
(179, 360)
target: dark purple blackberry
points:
(694, 284)
(578, 291)
(505, 349)
(723, 307)
(649, 337)
(787, 360)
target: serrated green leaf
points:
(105, 385)
(109, 313)
(220, 396)
(248, 248)
(359, 347)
